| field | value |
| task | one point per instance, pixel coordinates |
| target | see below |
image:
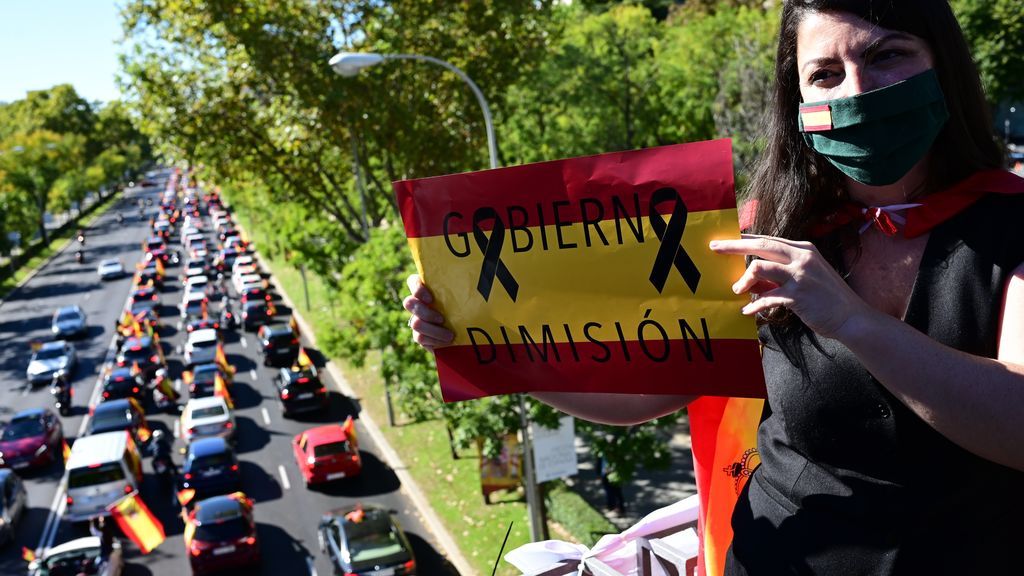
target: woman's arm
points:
(614, 409)
(974, 401)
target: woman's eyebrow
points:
(816, 62)
(875, 44)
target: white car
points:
(207, 417)
(192, 305)
(110, 269)
(200, 284)
(201, 347)
(244, 260)
(249, 281)
(239, 271)
(79, 556)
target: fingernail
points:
(713, 244)
(746, 310)
(736, 288)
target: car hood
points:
(39, 366)
(20, 447)
(68, 325)
(202, 355)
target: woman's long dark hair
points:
(796, 187)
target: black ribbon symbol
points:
(491, 247)
(671, 253)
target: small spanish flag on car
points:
(27, 555)
(303, 360)
(186, 495)
(66, 449)
(137, 522)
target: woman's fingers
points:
(426, 333)
(419, 309)
(764, 247)
(418, 289)
(761, 276)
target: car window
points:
(70, 563)
(102, 474)
(208, 412)
(68, 315)
(111, 420)
(211, 461)
(49, 354)
(377, 541)
(223, 530)
(332, 449)
(22, 428)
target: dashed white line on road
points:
(284, 477)
(244, 345)
(87, 294)
(177, 428)
(24, 391)
(254, 375)
(266, 415)
(179, 325)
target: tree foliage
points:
(995, 31)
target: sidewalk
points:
(649, 490)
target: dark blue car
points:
(211, 468)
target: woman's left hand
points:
(794, 275)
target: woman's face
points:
(839, 54)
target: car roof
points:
(30, 413)
(140, 341)
(276, 329)
(216, 509)
(194, 296)
(55, 345)
(71, 308)
(208, 446)
(194, 403)
(121, 371)
(97, 448)
(203, 335)
(112, 406)
(207, 367)
(326, 434)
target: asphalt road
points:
(286, 511)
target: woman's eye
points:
(820, 77)
(888, 55)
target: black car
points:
(211, 468)
(278, 345)
(300, 390)
(124, 414)
(203, 378)
(13, 504)
(365, 540)
(143, 351)
(256, 314)
(122, 382)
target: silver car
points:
(69, 322)
(50, 359)
(111, 269)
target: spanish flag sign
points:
(137, 522)
(590, 274)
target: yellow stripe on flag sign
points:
(554, 283)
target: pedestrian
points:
(893, 355)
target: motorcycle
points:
(81, 237)
(79, 256)
(63, 395)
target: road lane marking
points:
(266, 415)
(284, 477)
(244, 345)
(87, 295)
(24, 391)
(254, 375)
(177, 428)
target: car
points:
(225, 259)
(365, 539)
(13, 503)
(193, 305)
(79, 556)
(111, 269)
(200, 284)
(207, 417)
(32, 439)
(144, 351)
(148, 278)
(165, 256)
(210, 468)
(123, 382)
(243, 281)
(300, 390)
(154, 243)
(253, 294)
(277, 344)
(194, 268)
(124, 414)
(245, 260)
(69, 322)
(220, 533)
(144, 299)
(327, 453)
(50, 359)
(203, 346)
(202, 381)
(256, 313)
(202, 324)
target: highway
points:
(286, 511)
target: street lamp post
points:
(349, 64)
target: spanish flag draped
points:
(303, 360)
(66, 449)
(137, 522)
(723, 433)
(587, 275)
(220, 388)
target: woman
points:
(894, 358)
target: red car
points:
(220, 533)
(32, 438)
(327, 453)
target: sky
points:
(48, 42)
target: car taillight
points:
(228, 425)
(285, 394)
(250, 540)
(188, 475)
(194, 550)
(128, 489)
(135, 389)
(267, 297)
(409, 566)
(154, 358)
(106, 394)
(295, 340)
(70, 501)
(321, 391)
(234, 467)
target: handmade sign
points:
(587, 275)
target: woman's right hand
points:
(427, 324)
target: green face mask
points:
(876, 137)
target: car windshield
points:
(371, 540)
(110, 420)
(140, 355)
(212, 461)
(65, 315)
(331, 449)
(223, 530)
(142, 305)
(102, 474)
(281, 338)
(208, 412)
(49, 354)
(22, 428)
(71, 563)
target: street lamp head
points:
(350, 63)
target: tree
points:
(995, 32)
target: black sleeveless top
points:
(851, 480)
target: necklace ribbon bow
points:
(885, 218)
